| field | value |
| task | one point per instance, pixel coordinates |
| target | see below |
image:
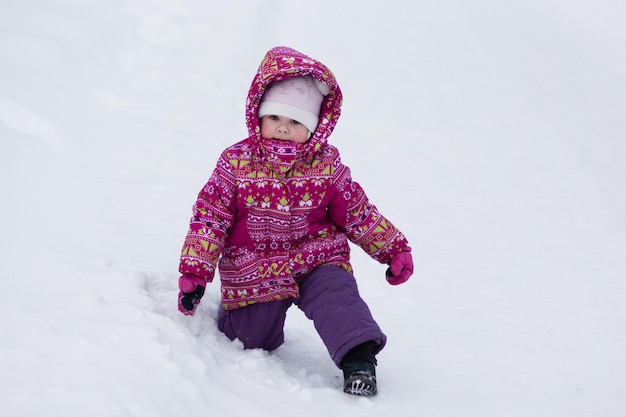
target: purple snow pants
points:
(328, 296)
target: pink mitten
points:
(400, 268)
(191, 291)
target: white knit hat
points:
(298, 98)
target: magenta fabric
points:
(187, 283)
(273, 211)
(401, 267)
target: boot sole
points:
(358, 385)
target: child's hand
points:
(400, 268)
(191, 291)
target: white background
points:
(492, 133)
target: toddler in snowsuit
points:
(275, 218)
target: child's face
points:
(283, 128)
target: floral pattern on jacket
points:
(272, 210)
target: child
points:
(276, 216)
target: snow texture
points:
(492, 133)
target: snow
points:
(491, 133)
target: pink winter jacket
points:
(272, 211)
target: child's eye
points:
(295, 122)
(273, 117)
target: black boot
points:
(359, 370)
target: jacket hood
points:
(280, 63)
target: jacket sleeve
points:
(353, 213)
(212, 219)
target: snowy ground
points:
(492, 134)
